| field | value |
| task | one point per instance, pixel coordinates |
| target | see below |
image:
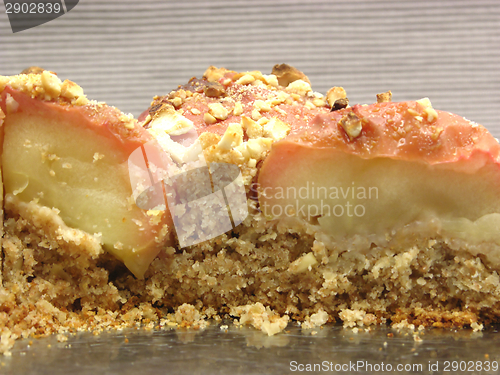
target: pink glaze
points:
(390, 131)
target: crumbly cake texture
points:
(57, 279)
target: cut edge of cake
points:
(57, 278)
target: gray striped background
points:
(124, 52)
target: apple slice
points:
(372, 169)
(74, 158)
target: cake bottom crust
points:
(58, 280)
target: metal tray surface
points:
(244, 350)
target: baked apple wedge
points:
(64, 152)
(371, 170)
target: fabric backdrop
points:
(125, 52)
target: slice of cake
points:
(243, 195)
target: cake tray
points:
(226, 348)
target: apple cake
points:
(323, 211)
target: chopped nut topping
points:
(181, 93)
(286, 74)
(430, 112)
(256, 147)
(257, 75)
(334, 94)
(155, 108)
(71, 90)
(209, 119)
(271, 80)
(412, 112)
(177, 102)
(281, 97)
(232, 137)
(256, 114)
(51, 83)
(81, 100)
(425, 102)
(33, 70)
(262, 106)
(351, 124)
(309, 105)
(130, 125)
(218, 111)
(44, 85)
(171, 122)
(238, 109)
(213, 74)
(340, 104)
(300, 87)
(319, 102)
(245, 79)
(252, 128)
(263, 121)
(214, 90)
(243, 150)
(384, 97)
(276, 129)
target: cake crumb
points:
(315, 320)
(353, 318)
(7, 340)
(403, 325)
(187, 316)
(384, 97)
(477, 327)
(260, 317)
(62, 338)
(97, 156)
